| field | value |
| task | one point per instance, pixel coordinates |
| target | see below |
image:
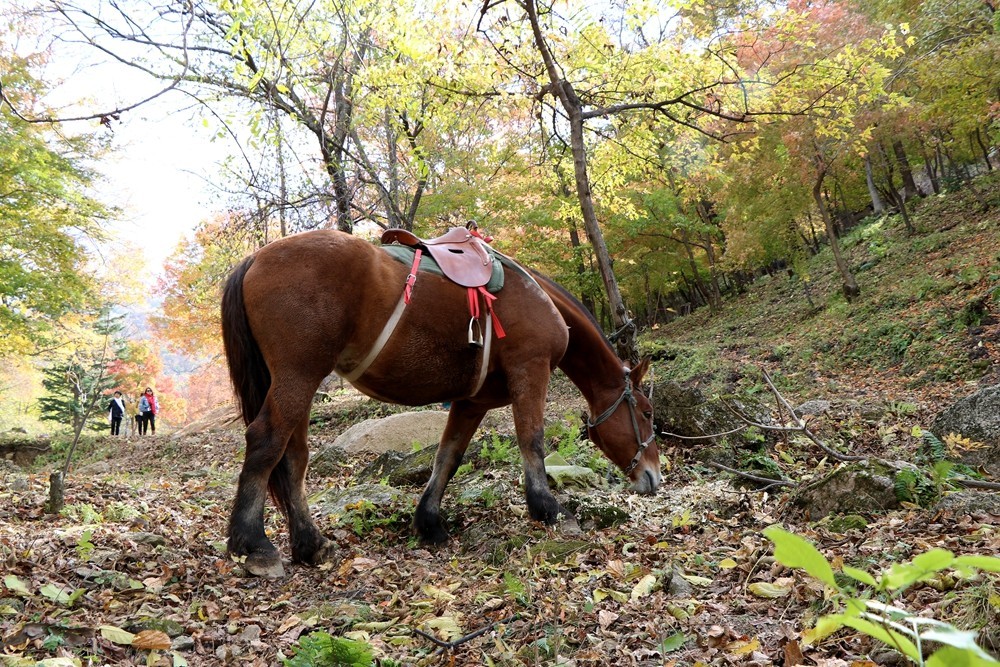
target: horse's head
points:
(624, 432)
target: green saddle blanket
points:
(404, 254)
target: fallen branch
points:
(977, 484)
(461, 640)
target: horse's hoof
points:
(322, 554)
(434, 536)
(568, 525)
(263, 564)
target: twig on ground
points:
(755, 478)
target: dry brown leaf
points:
(151, 640)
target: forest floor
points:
(134, 570)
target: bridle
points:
(627, 397)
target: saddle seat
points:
(462, 257)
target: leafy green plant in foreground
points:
(320, 649)
(877, 618)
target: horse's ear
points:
(639, 371)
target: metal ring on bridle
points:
(604, 416)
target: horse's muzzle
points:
(647, 480)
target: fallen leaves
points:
(647, 592)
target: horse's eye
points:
(648, 414)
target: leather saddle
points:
(462, 256)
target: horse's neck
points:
(589, 362)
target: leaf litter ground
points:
(687, 579)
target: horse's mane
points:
(575, 302)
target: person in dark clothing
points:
(148, 408)
(116, 410)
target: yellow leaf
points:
(763, 589)
(696, 580)
(644, 587)
(743, 647)
(447, 627)
(116, 635)
(727, 563)
(437, 593)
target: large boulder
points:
(855, 488)
(398, 433)
(685, 411)
(976, 417)
(22, 449)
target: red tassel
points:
(489, 299)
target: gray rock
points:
(593, 513)
(962, 503)
(860, 487)
(151, 539)
(813, 408)
(334, 501)
(677, 586)
(327, 461)
(393, 433)
(398, 469)
(976, 417)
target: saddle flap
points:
(465, 263)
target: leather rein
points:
(626, 397)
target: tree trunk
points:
(877, 206)
(695, 273)
(850, 285)
(563, 90)
(581, 269)
(930, 168)
(910, 189)
(984, 149)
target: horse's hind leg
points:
(267, 439)
(287, 484)
(463, 420)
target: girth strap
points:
(397, 315)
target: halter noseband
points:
(604, 416)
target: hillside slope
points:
(925, 329)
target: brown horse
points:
(307, 305)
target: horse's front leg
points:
(463, 420)
(529, 422)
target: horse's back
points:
(317, 301)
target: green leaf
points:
(951, 636)
(921, 567)
(16, 586)
(793, 551)
(60, 595)
(885, 635)
(859, 575)
(949, 656)
(986, 563)
(673, 642)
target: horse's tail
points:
(247, 369)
